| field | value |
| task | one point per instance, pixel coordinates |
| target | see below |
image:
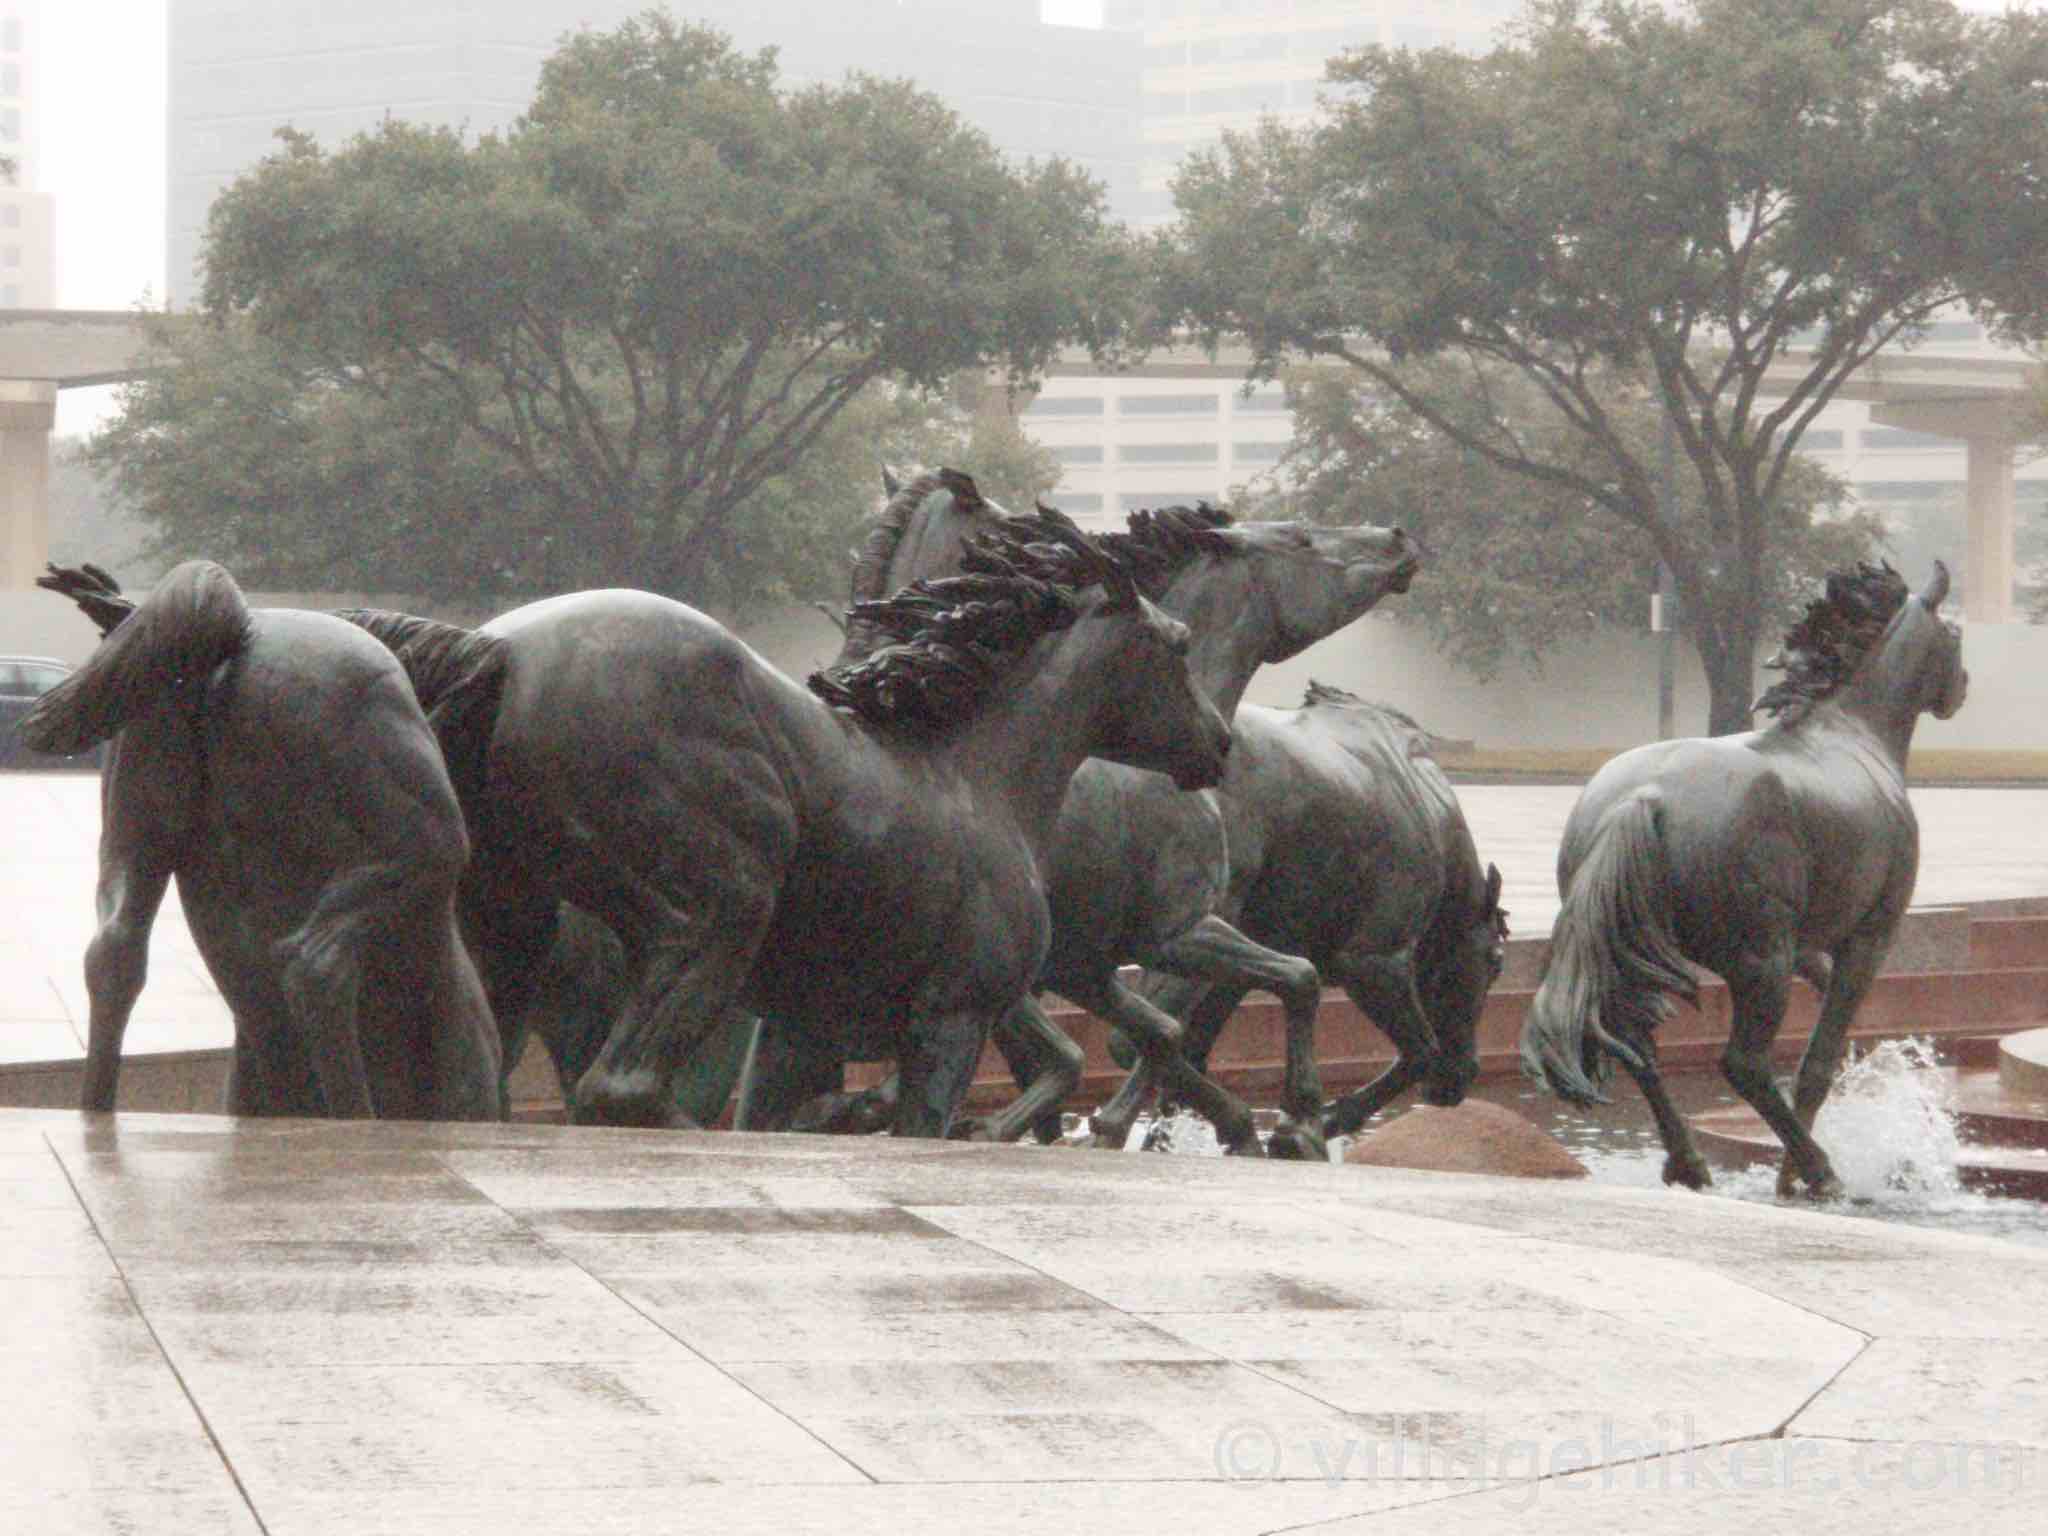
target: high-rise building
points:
(27, 256)
(240, 69)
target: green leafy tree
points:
(590, 349)
(1740, 200)
(1519, 566)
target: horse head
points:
(1947, 681)
(921, 532)
(1307, 582)
(1155, 717)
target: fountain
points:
(1904, 1122)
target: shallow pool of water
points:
(1885, 1126)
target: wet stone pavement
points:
(302, 1328)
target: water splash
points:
(1890, 1127)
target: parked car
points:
(23, 680)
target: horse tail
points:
(458, 675)
(196, 619)
(1615, 962)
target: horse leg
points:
(1045, 1060)
(322, 975)
(511, 927)
(783, 1073)
(1854, 967)
(1213, 951)
(131, 889)
(936, 1072)
(1758, 995)
(1158, 1038)
(1682, 1161)
(1383, 989)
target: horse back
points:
(1766, 842)
(1327, 817)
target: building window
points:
(1269, 402)
(10, 35)
(10, 296)
(1892, 437)
(1076, 504)
(1167, 405)
(1259, 453)
(10, 216)
(1078, 453)
(1140, 501)
(10, 256)
(1065, 405)
(10, 79)
(10, 124)
(1167, 453)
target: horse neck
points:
(1038, 724)
(1231, 625)
(1884, 695)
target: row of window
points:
(1169, 453)
(1269, 402)
(1828, 440)
(1082, 503)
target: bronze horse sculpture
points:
(860, 860)
(1139, 872)
(1789, 851)
(276, 764)
(1348, 846)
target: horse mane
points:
(1838, 630)
(196, 619)
(951, 638)
(1422, 741)
(1163, 540)
(458, 676)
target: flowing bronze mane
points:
(953, 637)
(1823, 650)
(1155, 547)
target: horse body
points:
(1348, 847)
(750, 844)
(1790, 851)
(1139, 870)
(284, 775)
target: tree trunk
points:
(1731, 681)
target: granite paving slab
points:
(308, 1327)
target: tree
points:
(237, 451)
(1743, 200)
(1518, 566)
(578, 351)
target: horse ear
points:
(1936, 589)
(890, 484)
(1492, 886)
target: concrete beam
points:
(71, 348)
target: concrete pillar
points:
(1989, 426)
(28, 410)
(1988, 539)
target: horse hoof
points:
(627, 1098)
(1689, 1171)
(1247, 1145)
(1108, 1135)
(1298, 1143)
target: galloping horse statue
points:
(1348, 846)
(1781, 852)
(276, 763)
(1138, 870)
(860, 861)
